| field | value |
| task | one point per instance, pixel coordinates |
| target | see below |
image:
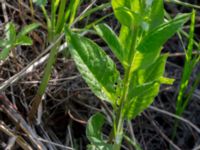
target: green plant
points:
(188, 67)
(138, 48)
(12, 39)
(184, 95)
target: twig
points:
(75, 119)
(161, 133)
(183, 3)
(20, 141)
(30, 67)
(183, 54)
(177, 117)
(55, 144)
(11, 111)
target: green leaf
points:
(162, 33)
(25, 30)
(73, 9)
(151, 45)
(10, 32)
(5, 52)
(190, 63)
(61, 20)
(142, 93)
(98, 70)
(154, 71)
(157, 13)
(94, 133)
(142, 97)
(127, 17)
(24, 40)
(164, 80)
(125, 33)
(118, 3)
(2, 43)
(135, 5)
(93, 130)
(111, 39)
(54, 6)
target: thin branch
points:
(177, 117)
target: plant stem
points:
(119, 121)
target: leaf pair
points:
(13, 39)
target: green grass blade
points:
(73, 9)
(48, 69)
(49, 26)
(95, 9)
(54, 6)
(88, 26)
(61, 20)
(188, 67)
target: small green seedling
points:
(190, 63)
(12, 39)
(185, 95)
(138, 48)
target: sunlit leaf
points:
(28, 28)
(10, 32)
(142, 93)
(5, 52)
(124, 16)
(150, 47)
(111, 39)
(98, 70)
(24, 40)
(157, 13)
